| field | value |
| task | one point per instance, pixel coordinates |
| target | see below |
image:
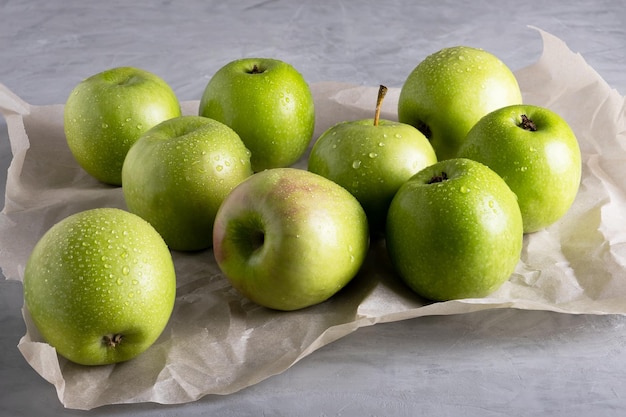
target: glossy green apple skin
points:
(107, 112)
(371, 162)
(288, 238)
(100, 272)
(457, 238)
(543, 166)
(450, 90)
(178, 173)
(272, 110)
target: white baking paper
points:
(218, 342)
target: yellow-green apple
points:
(178, 173)
(450, 90)
(454, 230)
(100, 286)
(268, 103)
(287, 238)
(371, 158)
(536, 152)
(107, 112)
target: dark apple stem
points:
(382, 91)
(255, 70)
(528, 124)
(112, 340)
(438, 178)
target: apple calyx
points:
(112, 340)
(382, 91)
(257, 239)
(527, 124)
(438, 178)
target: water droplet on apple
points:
(219, 168)
(398, 136)
(119, 281)
(104, 125)
(356, 164)
(464, 189)
(139, 126)
(373, 155)
(381, 144)
(128, 119)
(125, 270)
(135, 282)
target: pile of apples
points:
(451, 188)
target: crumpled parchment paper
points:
(218, 342)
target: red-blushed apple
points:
(178, 173)
(268, 103)
(536, 152)
(371, 158)
(288, 238)
(107, 112)
(100, 286)
(454, 230)
(450, 90)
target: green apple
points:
(268, 103)
(454, 230)
(536, 152)
(450, 90)
(107, 112)
(287, 238)
(371, 158)
(178, 173)
(100, 286)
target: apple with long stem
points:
(371, 158)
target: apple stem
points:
(112, 340)
(382, 91)
(528, 124)
(438, 178)
(255, 70)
